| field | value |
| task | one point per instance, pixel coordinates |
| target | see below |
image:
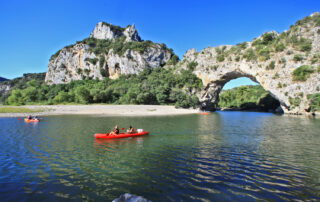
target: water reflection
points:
(223, 156)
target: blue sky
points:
(33, 30)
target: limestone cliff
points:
(286, 65)
(108, 52)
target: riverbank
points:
(106, 110)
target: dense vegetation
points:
(247, 98)
(160, 86)
(21, 83)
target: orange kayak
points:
(204, 113)
(32, 120)
(120, 135)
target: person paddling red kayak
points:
(115, 131)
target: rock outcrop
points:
(110, 51)
(286, 65)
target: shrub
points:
(61, 97)
(298, 57)
(250, 55)
(302, 73)
(268, 38)
(295, 101)
(16, 98)
(54, 56)
(192, 65)
(173, 60)
(265, 53)
(242, 45)
(280, 47)
(101, 61)
(87, 71)
(220, 58)
(79, 71)
(271, 65)
(92, 60)
(314, 100)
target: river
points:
(224, 156)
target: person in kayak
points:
(131, 130)
(116, 130)
(29, 117)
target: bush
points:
(280, 47)
(220, 58)
(314, 100)
(61, 97)
(302, 73)
(295, 101)
(298, 57)
(268, 38)
(16, 98)
(264, 53)
(242, 45)
(192, 65)
(173, 60)
(271, 65)
(250, 55)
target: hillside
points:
(109, 52)
(3, 79)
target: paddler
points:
(131, 129)
(115, 131)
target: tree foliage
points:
(157, 86)
(247, 97)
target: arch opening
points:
(246, 95)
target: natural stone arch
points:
(210, 94)
(287, 65)
(277, 79)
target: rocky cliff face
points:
(286, 65)
(109, 52)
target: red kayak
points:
(120, 135)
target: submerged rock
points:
(130, 198)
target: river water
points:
(224, 156)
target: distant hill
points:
(3, 79)
(6, 86)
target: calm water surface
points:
(238, 156)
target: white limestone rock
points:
(215, 71)
(78, 62)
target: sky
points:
(32, 30)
